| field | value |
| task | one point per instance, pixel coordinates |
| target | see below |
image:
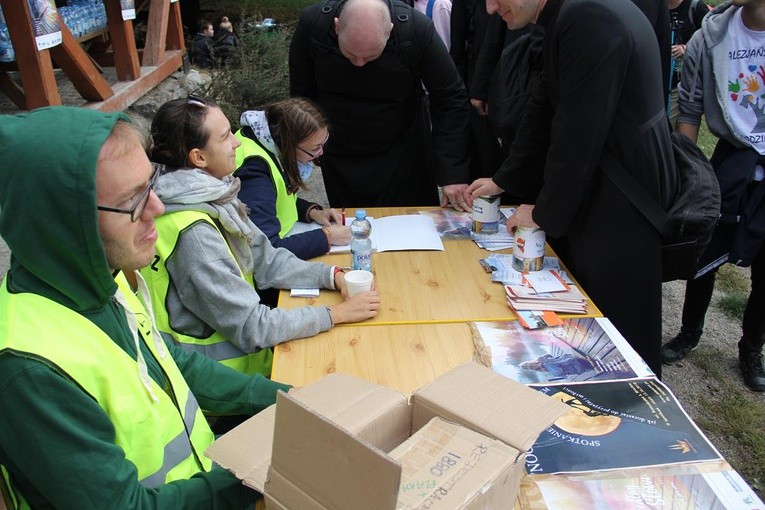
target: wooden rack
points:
(138, 71)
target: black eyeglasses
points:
(139, 206)
(319, 147)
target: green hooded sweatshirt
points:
(56, 442)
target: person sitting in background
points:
(225, 40)
(210, 256)
(97, 412)
(202, 47)
(273, 162)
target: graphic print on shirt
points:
(746, 82)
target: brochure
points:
(577, 350)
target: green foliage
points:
(706, 140)
(283, 11)
(737, 416)
(731, 278)
(733, 304)
(257, 74)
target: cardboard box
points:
(444, 465)
(330, 438)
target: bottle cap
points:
(361, 214)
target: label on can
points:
(529, 249)
(486, 214)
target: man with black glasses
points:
(97, 412)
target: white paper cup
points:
(358, 281)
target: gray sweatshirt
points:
(704, 81)
(207, 293)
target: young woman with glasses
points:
(211, 259)
(278, 147)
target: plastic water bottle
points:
(361, 244)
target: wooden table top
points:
(404, 357)
(427, 286)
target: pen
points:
(342, 212)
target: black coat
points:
(600, 90)
(201, 51)
(381, 150)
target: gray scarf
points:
(192, 189)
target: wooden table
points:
(427, 286)
(422, 330)
(404, 356)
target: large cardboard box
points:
(327, 444)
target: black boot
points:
(750, 363)
(679, 347)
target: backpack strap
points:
(321, 24)
(638, 195)
(691, 10)
(403, 31)
(431, 3)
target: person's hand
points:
(522, 218)
(454, 195)
(338, 235)
(358, 308)
(480, 187)
(340, 284)
(479, 105)
(325, 216)
(678, 50)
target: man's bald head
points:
(363, 28)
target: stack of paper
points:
(520, 297)
(502, 240)
(407, 232)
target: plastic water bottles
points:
(361, 244)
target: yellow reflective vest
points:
(286, 203)
(162, 432)
(216, 346)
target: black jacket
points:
(382, 150)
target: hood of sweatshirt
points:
(48, 213)
(715, 24)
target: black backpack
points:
(687, 226)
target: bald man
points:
(365, 62)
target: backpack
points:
(403, 30)
(687, 227)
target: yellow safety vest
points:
(216, 346)
(165, 441)
(286, 203)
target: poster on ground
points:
(617, 425)
(578, 350)
(652, 489)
